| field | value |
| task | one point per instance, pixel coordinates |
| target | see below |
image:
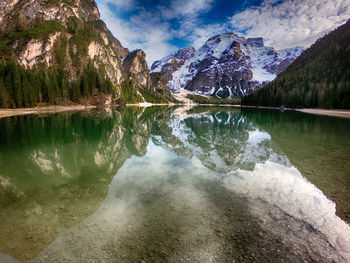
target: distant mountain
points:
(59, 51)
(320, 77)
(226, 66)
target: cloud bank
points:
(159, 29)
(292, 23)
(162, 27)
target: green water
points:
(174, 185)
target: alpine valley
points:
(59, 52)
(107, 156)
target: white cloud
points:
(292, 22)
(185, 8)
(283, 24)
(143, 31)
(124, 4)
(149, 30)
(201, 34)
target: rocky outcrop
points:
(135, 65)
(86, 37)
(103, 54)
(37, 51)
(85, 10)
(6, 6)
(226, 66)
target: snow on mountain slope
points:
(226, 66)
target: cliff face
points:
(43, 28)
(226, 66)
(66, 39)
(59, 10)
(135, 65)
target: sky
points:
(162, 27)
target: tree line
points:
(320, 77)
(20, 87)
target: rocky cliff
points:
(66, 50)
(226, 66)
(135, 65)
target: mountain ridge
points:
(226, 66)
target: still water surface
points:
(175, 185)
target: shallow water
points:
(169, 185)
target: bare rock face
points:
(38, 51)
(49, 10)
(226, 66)
(136, 66)
(6, 7)
(75, 34)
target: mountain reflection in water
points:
(158, 185)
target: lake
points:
(168, 184)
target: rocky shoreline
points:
(55, 109)
(42, 110)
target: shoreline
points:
(340, 113)
(332, 113)
(42, 110)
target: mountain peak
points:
(226, 66)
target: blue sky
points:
(162, 27)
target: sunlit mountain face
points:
(170, 185)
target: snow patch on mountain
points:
(227, 65)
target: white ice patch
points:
(221, 47)
(258, 60)
(290, 52)
(161, 63)
(207, 93)
(181, 76)
(261, 75)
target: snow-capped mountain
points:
(226, 66)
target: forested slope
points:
(319, 78)
(60, 51)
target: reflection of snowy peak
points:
(206, 137)
(226, 66)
